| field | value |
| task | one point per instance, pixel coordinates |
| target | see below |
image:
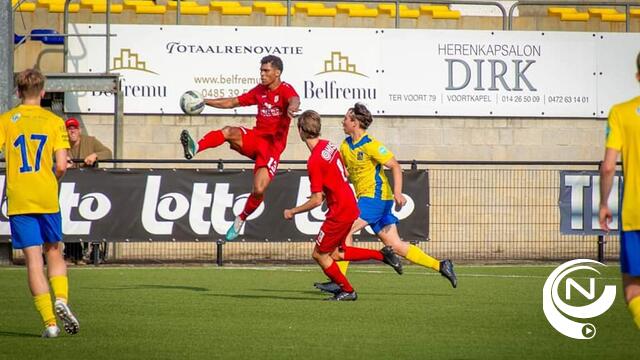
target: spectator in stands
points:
(277, 103)
(365, 159)
(86, 148)
(623, 136)
(89, 150)
(32, 195)
(327, 178)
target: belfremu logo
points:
(339, 63)
(130, 61)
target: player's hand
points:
(605, 217)
(293, 111)
(91, 159)
(288, 214)
(400, 200)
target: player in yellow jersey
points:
(623, 137)
(30, 138)
(365, 159)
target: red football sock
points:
(355, 253)
(252, 204)
(213, 139)
(333, 273)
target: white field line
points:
(298, 268)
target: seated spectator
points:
(86, 148)
(89, 150)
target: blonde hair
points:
(30, 83)
(309, 124)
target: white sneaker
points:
(71, 324)
(51, 331)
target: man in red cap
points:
(86, 148)
(90, 150)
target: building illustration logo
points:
(340, 63)
(128, 60)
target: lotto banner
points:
(190, 205)
(396, 72)
(580, 202)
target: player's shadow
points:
(290, 291)
(155, 287)
(272, 297)
(17, 334)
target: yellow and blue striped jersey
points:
(29, 136)
(623, 134)
(364, 160)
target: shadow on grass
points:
(17, 334)
(273, 297)
(363, 293)
(154, 287)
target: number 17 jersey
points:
(29, 137)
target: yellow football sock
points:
(60, 285)
(45, 308)
(634, 307)
(417, 256)
(343, 265)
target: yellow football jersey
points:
(29, 136)
(623, 134)
(364, 161)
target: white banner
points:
(394, 71)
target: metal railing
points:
(479, 212)
(626, 4)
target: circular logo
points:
(558, 312)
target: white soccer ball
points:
(192, 102)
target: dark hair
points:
(638, 62)
(309, 124)
(30, 83)
(275, 61)
(360, 113)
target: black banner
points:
(200, 205)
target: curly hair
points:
(360, 113)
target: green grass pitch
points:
(275, 313)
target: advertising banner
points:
(200, 205)
(396, 72)
(580, 202)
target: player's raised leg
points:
(389, 236)
(212, 139)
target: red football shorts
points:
(262, 149)
(332, 235)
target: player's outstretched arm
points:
(396, 172)
(61, 163)
(223, 103)
(314, 201)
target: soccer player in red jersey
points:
(277, 103)
(327, 176)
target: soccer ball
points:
(192, 103)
